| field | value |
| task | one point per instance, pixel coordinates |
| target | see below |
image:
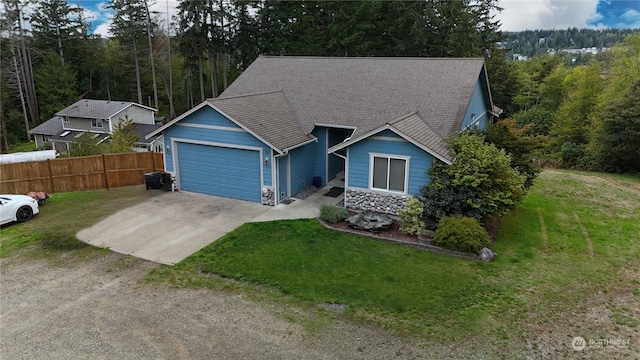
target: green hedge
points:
(461, 233)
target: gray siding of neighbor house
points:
(136, 114)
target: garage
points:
(219, 170)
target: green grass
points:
(52, 233)
(569, 250)
(22, 147)
(318, 265)
(590, 234)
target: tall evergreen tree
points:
(57, 26)
(56, 85)
(129, 25)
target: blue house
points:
(379, 123)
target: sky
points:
(517, 15)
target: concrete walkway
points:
(172, 226)
(300, 209)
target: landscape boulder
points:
(370, 221)
(487, 255)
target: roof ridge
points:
(295, 114)
(402, 117)
(367, 57)
(245, 95)
(429, 125)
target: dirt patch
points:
(103, 308)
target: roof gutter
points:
(285, 151)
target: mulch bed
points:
(393, 234)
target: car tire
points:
(24, 213)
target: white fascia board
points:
(359, 138)
(185, 114)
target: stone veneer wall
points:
(378, 202)
(268, 196)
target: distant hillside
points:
(536, 42)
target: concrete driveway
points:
(170, 227)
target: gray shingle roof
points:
(419, 130)
(96, 109)
(367, 93)
(52, 126)
(142, 130)
(267, 116)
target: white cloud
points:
(521, 15)
(103, 29)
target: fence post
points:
(104, 171)
(53, 190)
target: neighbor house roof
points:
(97, 109)
(52, 126)
(142, 130)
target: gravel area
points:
(101, 308)
(306, 192)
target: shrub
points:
(410, 222)
(441, 198)
(461, 233)
(333, 214)
(478, 183)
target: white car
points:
(17, 208)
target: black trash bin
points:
(317, 181)
(153, 180)
(166, 181)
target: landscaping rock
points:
(370, 221)
(487, 255)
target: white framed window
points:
(388, 172)
(96, 123)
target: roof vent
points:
(65, 133)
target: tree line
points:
(584, 117)
(50, 59)
(538, 42)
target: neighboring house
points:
(378, 122)
(99, 117)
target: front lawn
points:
(52, 233)
(571, 247)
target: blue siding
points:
(478, 107)
(208, 116)
(227, 172)
(302, 167)
(419, 163)
(232, 137)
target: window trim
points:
(406, 158)
(98, 123)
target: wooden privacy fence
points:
(79, 173)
